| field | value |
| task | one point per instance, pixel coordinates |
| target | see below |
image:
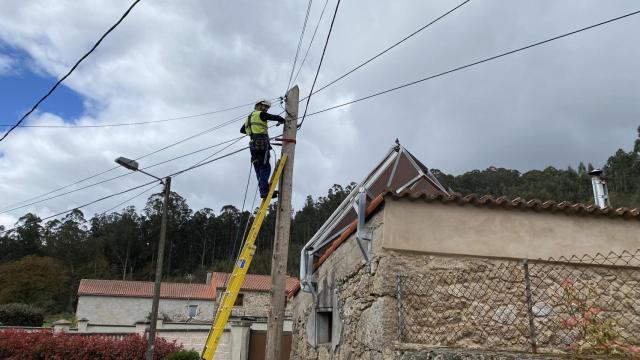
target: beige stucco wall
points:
(112, 310)
(452, 229)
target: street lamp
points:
(133, 165)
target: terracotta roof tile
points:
(520, 203)
(252, 282)
(144, 289)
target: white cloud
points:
(544, 107)
(6, 64)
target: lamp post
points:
(133, 165)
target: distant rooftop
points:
(168, 290)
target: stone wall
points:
(128, 310)
(472, 304)
(362, 307)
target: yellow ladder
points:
(240, 270)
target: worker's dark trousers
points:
(260, 160)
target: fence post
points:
(399, 306)
(532, 329)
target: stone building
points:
(406, 269)
(186, 311)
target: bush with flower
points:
(594, 334)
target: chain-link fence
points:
(586, 305)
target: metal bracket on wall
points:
(310, 280)
(363, 237)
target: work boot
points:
(274, 196)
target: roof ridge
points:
(535, 204)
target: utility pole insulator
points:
(283, 224)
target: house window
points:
(324, 326)
(239, 300)
(192, 310)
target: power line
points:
(90, 203)
(215, 159)
(475, 63)
(135, 188)
(153, 186)
(326, 43)
(310, 42)
(138, 158)
(71, 126)
(390, 47)
(304, 27)
(232, 141)
(449, 71)
(71, 70)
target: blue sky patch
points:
(21, 88)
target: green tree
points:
(39, 281)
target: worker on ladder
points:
(256, 127)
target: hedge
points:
(20, 315)
(184, 355)
(19, 344)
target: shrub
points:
(39, 281)
(184, 355)
(20, 315)
(17, 344)
(594, 334)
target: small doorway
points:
(258, 345)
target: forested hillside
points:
(41, 263)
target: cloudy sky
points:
(575, 99)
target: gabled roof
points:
(144, 289)
(399, 171)
(259, 283)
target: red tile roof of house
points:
(144, 289)
(252, 282)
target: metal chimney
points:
(208, 281)
(600, 192)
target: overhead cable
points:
(326, 43)
(153, 186)
(474, 63)
(232, 141)
(390, 47)
(55, 86)
(74, 126)
(310, 42)
(304, 27)
(219, 126)
(91, 203)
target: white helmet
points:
(264, 102)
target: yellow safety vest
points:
(254, 125)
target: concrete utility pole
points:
(283, 224)
(156, 288)
(134, 166)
